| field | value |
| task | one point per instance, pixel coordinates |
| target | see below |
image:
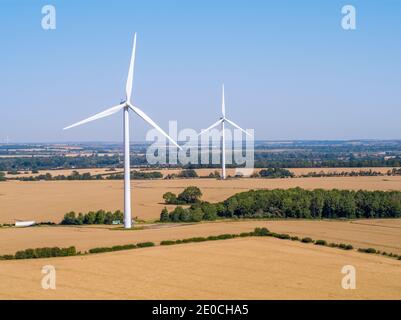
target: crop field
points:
(201, 172)
(383, 234)
(50, 200)
(249, 268)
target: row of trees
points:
(273, 173)
(295, 203)
(137, 175)
(75, 175)
(98, 217)
(186, 173)
(195, 213)
(359, 173)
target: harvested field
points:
(50, 200)
(201, 172)
(249, 268)
(383, 234)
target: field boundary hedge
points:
(258, 232)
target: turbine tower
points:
(126, 106)
(222, 121)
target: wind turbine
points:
(222, 121)
(126, 106)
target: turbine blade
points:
(145, 117)
(223, 105)
(238, 127)
(211, 127)
(130, 78)
(99, 115)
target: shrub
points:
(123, 247)
(7, 257)
(367, 250)
(261, 232)
(197, 239)
(295, 238)
(145, 244)
(349, 247)
(283, 236)
(212, 238)
(101, 249)
(321, 242)
(246, 234)
(306, 240)
(167, 242)
(188, 173)
(224, 236)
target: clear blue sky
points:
(290, 70)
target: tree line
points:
(296, 203)
(92, 217)
(75, 175)
(361, 173)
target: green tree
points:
(209, 211)
(80, 218)
(100, 217)
(164, 217)
(176, 214)
(170, 198)
(196, 215)
(90, 218)
(69, 218)
(191, 194)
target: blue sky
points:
(290, 70)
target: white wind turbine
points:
(126, 106)
(222, 121)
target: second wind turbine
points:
(222, 121)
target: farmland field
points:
(201, 172)
(382, 234)
(248, 268)
(50, 200)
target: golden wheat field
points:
(201, 172)
(383, 234)
(247, 268)
(50, 200)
